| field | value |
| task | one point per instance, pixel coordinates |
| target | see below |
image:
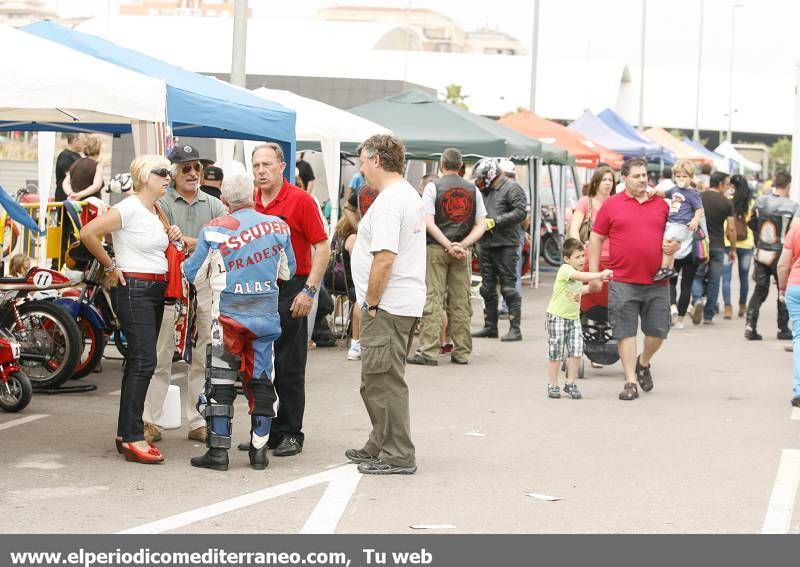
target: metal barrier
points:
(16, 239)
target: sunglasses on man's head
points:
(190, 166)
(163, 172)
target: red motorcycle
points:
(15, 386)
(48, 336)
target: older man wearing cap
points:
(189, 208)
(212, 181)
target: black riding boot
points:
(489, 330)
(216, 459)
(514, 332)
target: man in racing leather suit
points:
(241, 255)
(773, 215)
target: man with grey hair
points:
(274, 195)
(454, 217)
(189, 208)
(240, 256)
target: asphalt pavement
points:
(712, 449)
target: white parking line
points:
(22, 420)
(323, 519)
(781, 504)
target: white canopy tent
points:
(50, 83)
(58, 86)
(726, 150)
(327, 125)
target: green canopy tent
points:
(428, 125)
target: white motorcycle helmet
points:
(120, 183)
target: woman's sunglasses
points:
(163, 172)
(191, 166)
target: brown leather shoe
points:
(152, 433)
(630, 392)
(198, 434)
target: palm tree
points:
(454, 96)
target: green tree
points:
(677, 134)
(780, 153)
(516, 111)
(454, 96)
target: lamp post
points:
(696, 136)
(534, 54)
(641, 86)
(730, 72)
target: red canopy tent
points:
(586, 152)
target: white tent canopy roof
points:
(327, 125)
(725, 149)
(317, 121)
(53, 83)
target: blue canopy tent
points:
(197, 105)
(597, 131)
(719, 160)
(654, 151)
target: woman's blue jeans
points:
(793, 305)
(744, 256)
(140, 306)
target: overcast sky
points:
(588, 29)
(765, 37)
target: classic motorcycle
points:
(92, 310)
(15, 386)
(47, 335)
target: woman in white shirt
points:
(140, 270)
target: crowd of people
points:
(400, 258)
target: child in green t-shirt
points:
(563, 319)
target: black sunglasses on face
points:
(190, 166)
(163, 172)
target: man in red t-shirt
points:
(276, 196)
(634, 222)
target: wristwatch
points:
(111, 268)
(310, 290)
(367, 307)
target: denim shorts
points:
(628, 303)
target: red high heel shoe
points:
(151, 456)
(118, 443)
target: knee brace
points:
(264, 396)
(215, 404)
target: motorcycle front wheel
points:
(50, 342)
(551, 250)
(93, 343)
(16, 394)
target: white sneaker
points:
(355, 351)
(673, 311)
(679, 325)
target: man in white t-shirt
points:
(388, 266)
(666, 183)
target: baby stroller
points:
(599, 346)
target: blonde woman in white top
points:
(139, 267)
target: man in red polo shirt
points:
(276, 196)
(634, 222)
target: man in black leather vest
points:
(454, 217)
(772, 216)
(498, 249)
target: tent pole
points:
(533, 178)
(239, 54)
